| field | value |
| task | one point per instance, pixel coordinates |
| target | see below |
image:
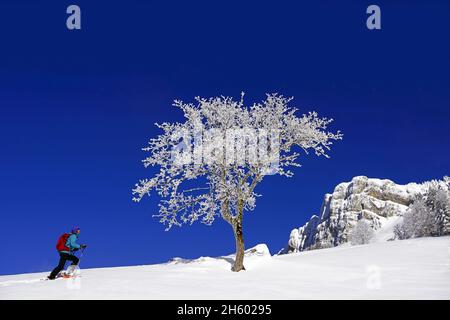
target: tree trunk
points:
(240, 248)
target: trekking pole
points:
(82, 251)
(79, 258)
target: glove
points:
(83, 246)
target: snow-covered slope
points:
(408, 269)
(378, 201)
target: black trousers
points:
(63, 258)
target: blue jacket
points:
(72, 243)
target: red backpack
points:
(61, 244)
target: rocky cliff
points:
(375, 200)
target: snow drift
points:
(407, 269)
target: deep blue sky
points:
(76, 107)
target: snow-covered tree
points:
(438, 203)
(428, 215)
(294, 241)
(400, 232)
(211, 163)
(417, 221)
(361, 233)
(447, 182)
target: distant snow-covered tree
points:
(428, 215)
(447, 182)
(361, 233)
(438, 203)
(294, 241)
(211, 163)
(401, 232)
(417, 221)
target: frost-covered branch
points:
(211, 163)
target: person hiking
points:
(67, 244)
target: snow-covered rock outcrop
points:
(376, 200)
(258, 251)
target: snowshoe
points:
(72, 270)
